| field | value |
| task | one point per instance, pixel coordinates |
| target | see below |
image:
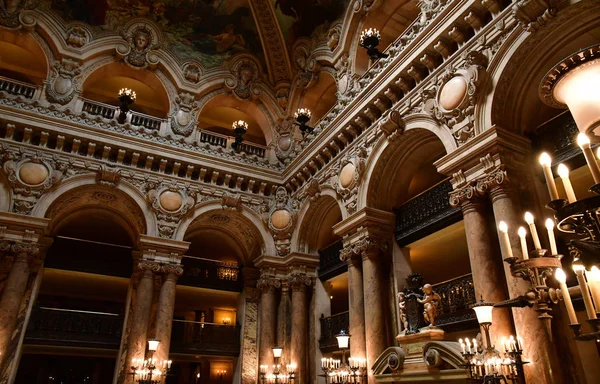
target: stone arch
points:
(103, 82)
(312, 218)
(392, 165)
(83, 191)
(516, 70)
(237, 224)
(259, 119)
(22, 51)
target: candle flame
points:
(560, 275)
(549, 224)
(545, 159)
(528, 218)
(582, 140)
(522, 232)
(563, 171)
(503, 227)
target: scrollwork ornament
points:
(147, 265)
(11, 9)
(170, 203)
(281, 220)
(183, 118)
(61, 85)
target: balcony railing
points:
(224, 141)
(99, 109)
(65, 327)
(331, 326)
(425, 214)
(148, 122)
(191, 337)
(457, 295)
(204, 273)
(17, 88)
(330, 264)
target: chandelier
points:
(370, 39)
(126, 97)
(146, 371)
(302, 117)
(484, 363)
(228, 271)
(239, 128)
(278, 375)
(340, 372)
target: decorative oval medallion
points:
(285, 142)
(281, 218)
(33, 173)
(183, 118)
(171, 201)
(453, 93)
(63, 85)
(347, 175)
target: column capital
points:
(148, 265)
(268, 281)
(172, 270)
(367, 246)
(299, 282)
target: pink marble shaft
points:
(164, 316)
(356, 308)
(138, 337)
(299, 331)
(10, 301)
(268, 324)
(486, 265)
(375, 330)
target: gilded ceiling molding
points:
(274, 45)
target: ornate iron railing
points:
(425, 214)
(65, 327)
(457, 296)
(559, 138)
(331, 326)
(192, 337)
(17, 88)
(204, 273)
(330, 264)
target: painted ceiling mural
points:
(212, 31)
(307, 18)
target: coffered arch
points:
(399, 169)
(83, 192)
(519, 65)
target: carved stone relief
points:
(62, 84)
(10, 10)
(350, 176)
(184, 115)
(281, 220)
(170, 202)
(141, 39)
(244, 75)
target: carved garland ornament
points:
(30, 177)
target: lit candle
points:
(545, 162)
(468, 345)
(513, 344)
(519, 343)
(594, 276)
(504, 344)
(551, 239)
(533, 230)
(584, 143)
(475, 345)
(563, 172)
(523, 237)
(504, 240)
(585, 291)
(562, 281)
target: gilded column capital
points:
(172, 271)
(299, 282)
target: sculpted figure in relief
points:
(430, 301)
(402, 305)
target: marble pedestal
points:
(413, 344)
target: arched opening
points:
(84, 290)
(221, 111)
(104, 84)
(391, 19)
(22, 58)
(321, 97)
(209, 305)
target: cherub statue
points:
(402, 305)
(430, 301)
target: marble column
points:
(356, 306)
(247, 371)
(299, 285)
(544, 365)
(486, 264)
(164, 312)
(140, 317)
(375, 325)
(13, 292)
(268, 319)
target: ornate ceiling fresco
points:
(302, 18)
(212, 31)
